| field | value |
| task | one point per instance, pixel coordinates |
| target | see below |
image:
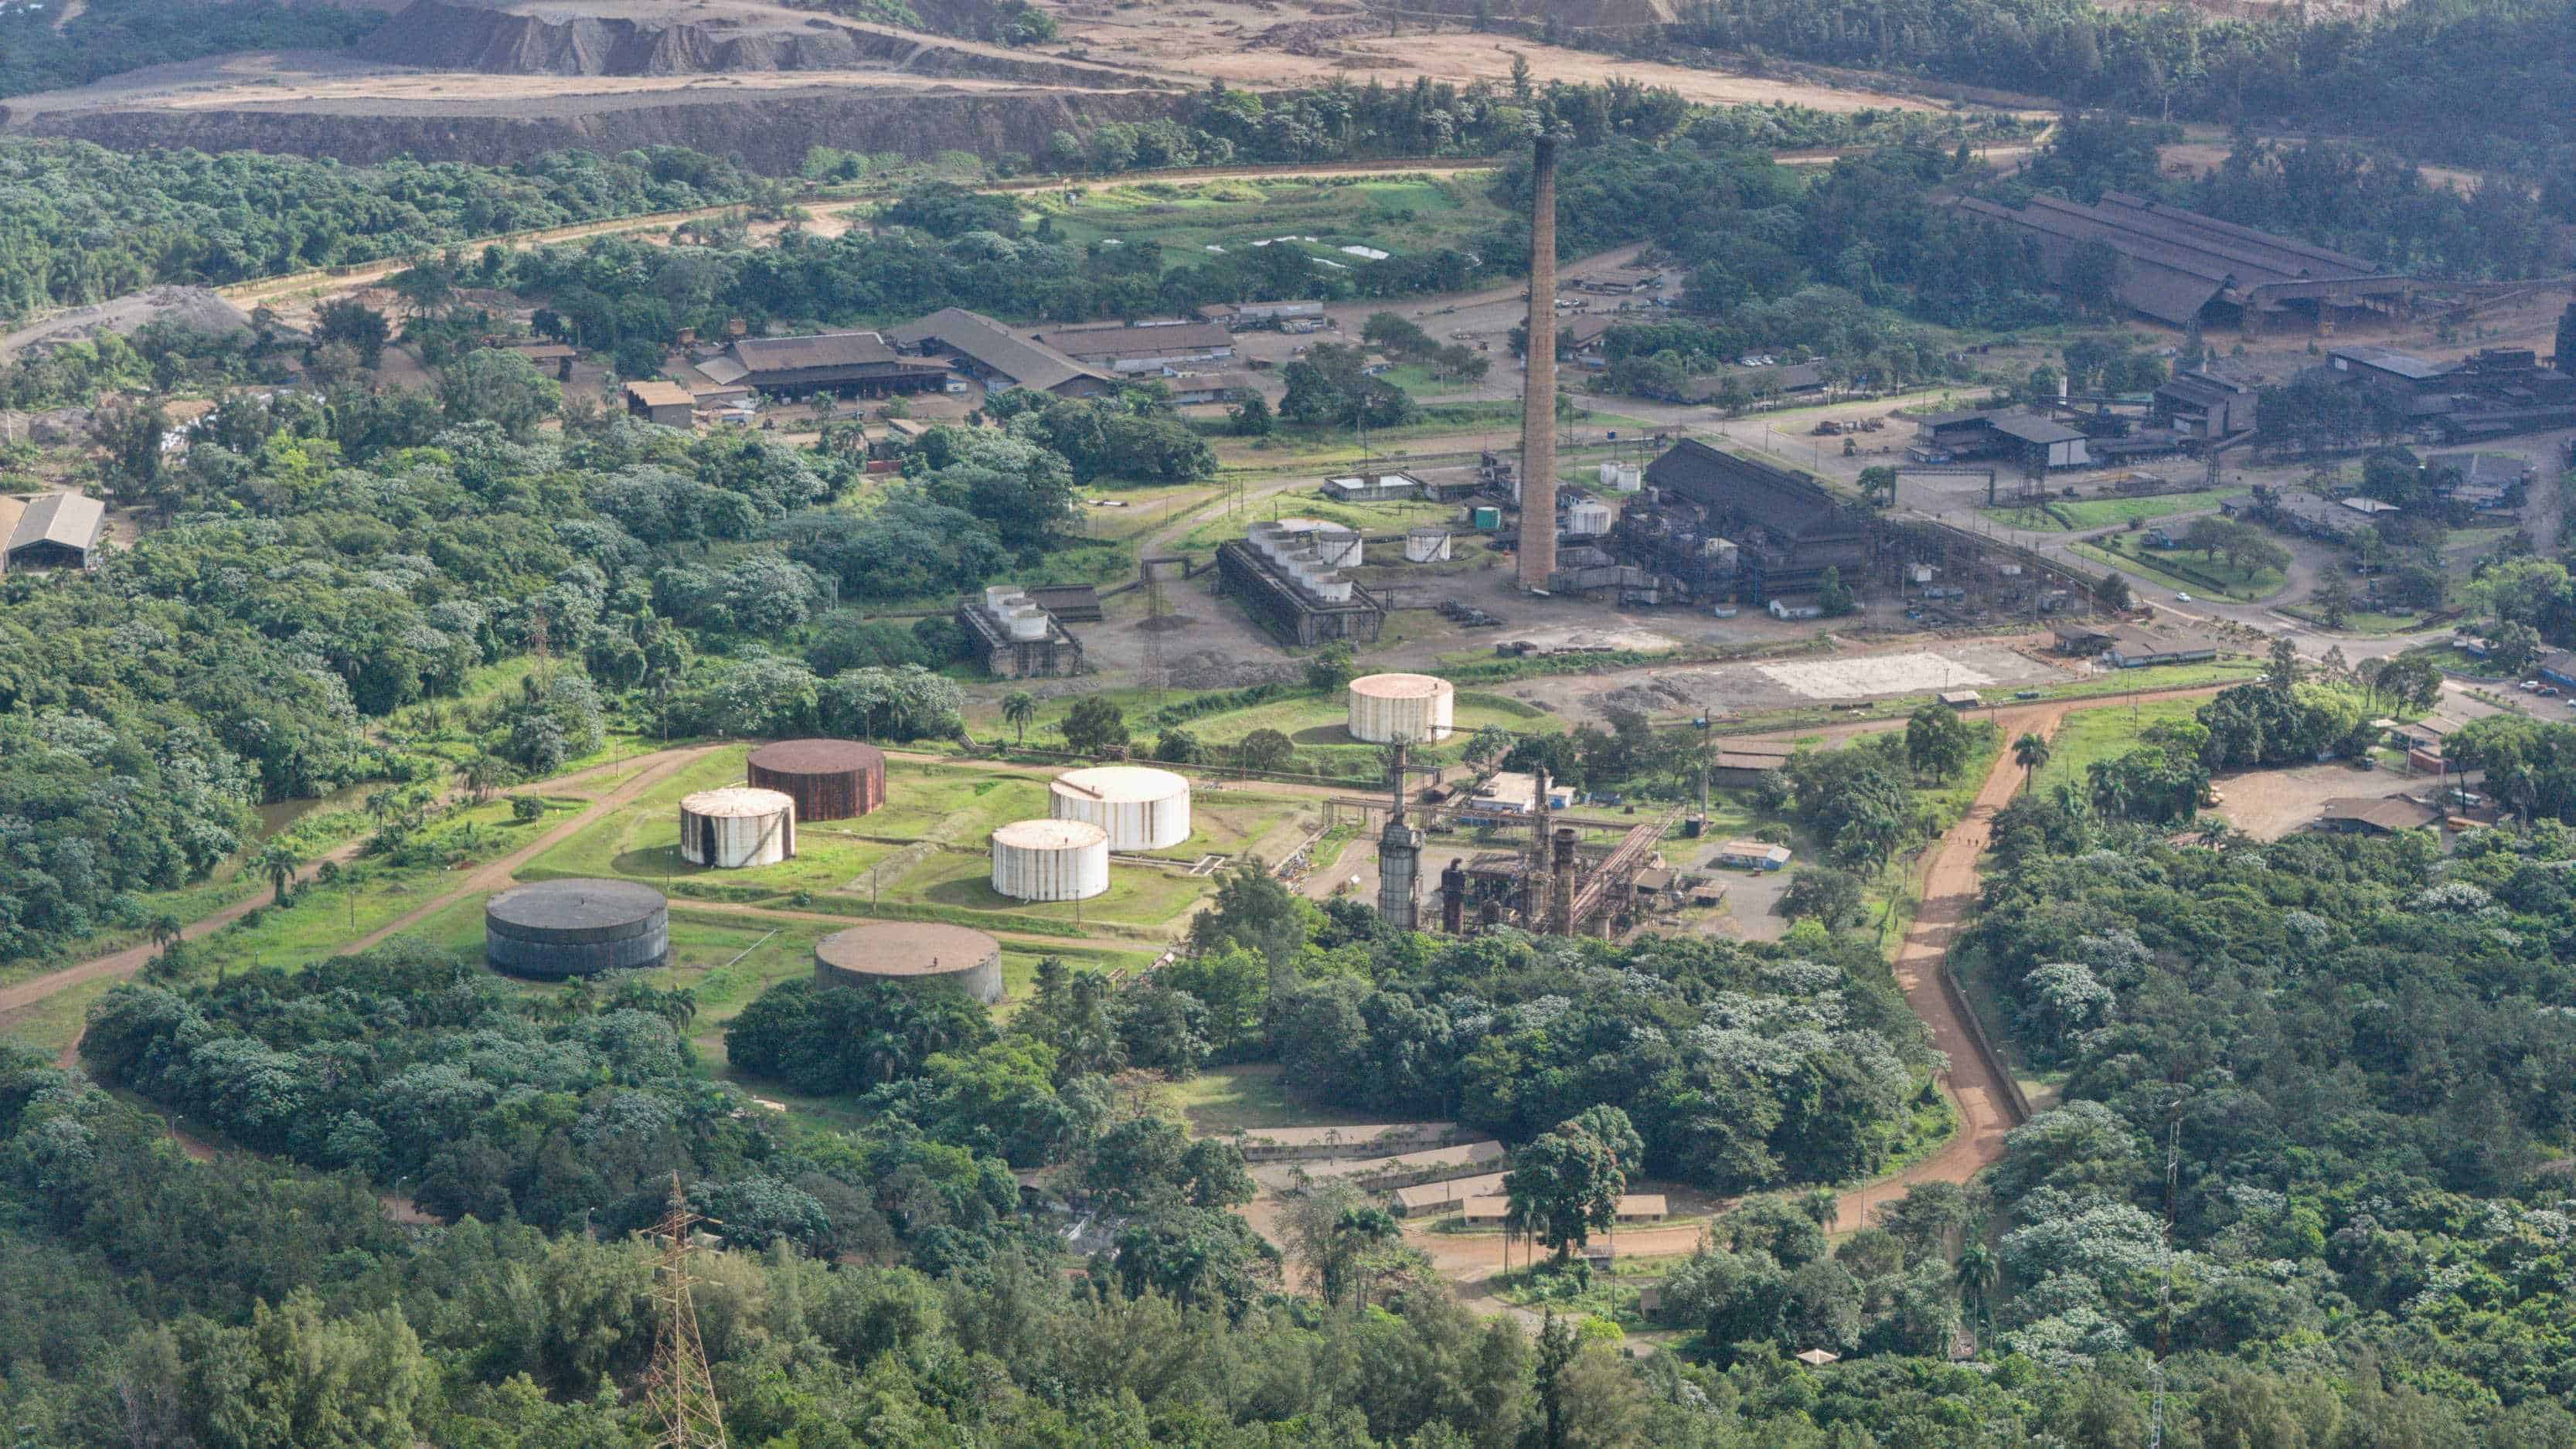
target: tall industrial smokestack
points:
(1538, 391)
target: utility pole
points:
(679, 1386)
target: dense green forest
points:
(2360, 1056)
(40, 51)
(2483, 84)
(79, 223)
(335, 556)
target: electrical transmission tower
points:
(679, 1388)
(1154, 613)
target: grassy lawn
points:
(1310, 720)
(1398, 214)
(2079, 515)
(961, 880)
(2190, 575)
(2101, 734)
(1224, 1099)
(325, 918)
(2361, 621)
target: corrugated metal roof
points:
(1776, 498)
(759, 355)
(68, 520)
(991, 345)
(71, 520)
(1089, 343)
(659, 394)
(2042, 431)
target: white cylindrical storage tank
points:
(1427, 543)
(998, 596)
(1608, 475)
(1337, 544)
(737, 827)
(1028, 623)
(1332, 588)
(1632, 479)
(1415, 708)
(1050, 860)
(1140, 808)
(1588, 515)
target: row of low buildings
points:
(945, 350)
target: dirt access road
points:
(118, 965)
(1985, 1105)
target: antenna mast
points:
(680, 1389)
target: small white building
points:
(1753, 855)
(1373, 487)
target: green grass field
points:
(1399, 214)
(1223, 1099)
(2188, 574)
(961, 880)
(325, 918)
(954, 807)
(2086, 736)
(2081, 515)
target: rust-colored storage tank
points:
(828, 779)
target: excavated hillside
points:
(625, 38)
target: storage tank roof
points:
(574, 905)
(1399, 686)
(1050, 835)
(906, 948)
(817, 757)
(1314, 525)
(736, 800)
(1120, 784)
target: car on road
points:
(2182, 598)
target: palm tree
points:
(481, 775)
(1975, 1276)
(280, 861)
(2030, 752)
(1018, 709)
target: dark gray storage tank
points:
(559, 928)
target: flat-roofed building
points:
(1142, 349)
(1293, 1144)
(1642, 1207)
(1438, 1197)
(664, 404)
(1385, 1174)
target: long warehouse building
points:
(2180, 267)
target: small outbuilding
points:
(1753, 855)
(664, 404)
(53, 531)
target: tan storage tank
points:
(915, 955)
(1415, 708)
(1140, 808)
(1050, 860)
(737, 827)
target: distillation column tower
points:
(1399, 861)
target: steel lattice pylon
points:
(679, 1388)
